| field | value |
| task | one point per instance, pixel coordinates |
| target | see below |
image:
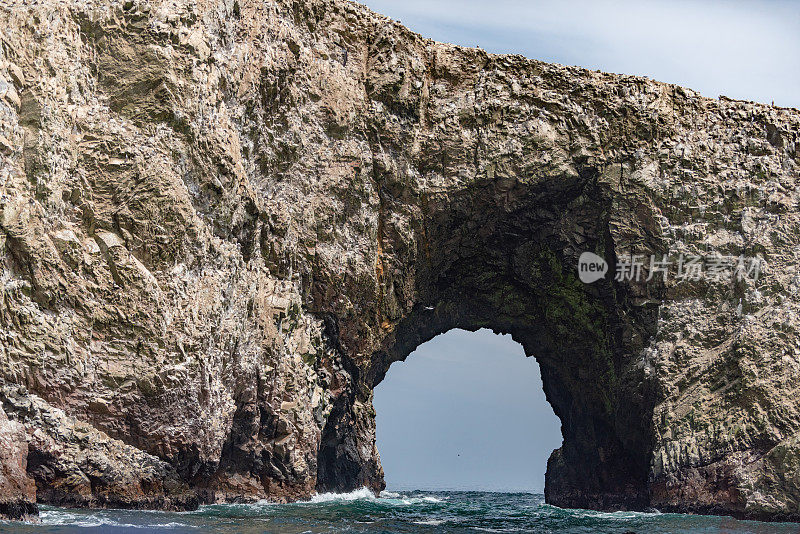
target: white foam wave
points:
(618, 516)
(431, 522)
(60, 517)
(262, 503)
(365, 494)
(94, 520)
(405, 500)
(361, 494)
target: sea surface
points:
(408, 512)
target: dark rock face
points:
(17, 488)
(499, 258)
(222, 223)
(75, 465)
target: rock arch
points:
(222, 223)
(503, 256)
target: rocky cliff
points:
(221, 221)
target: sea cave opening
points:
(505, 260)
(466, 411)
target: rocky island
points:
(222, 221)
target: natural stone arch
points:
(502, 255)
(210, 259)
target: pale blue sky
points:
(467, 409)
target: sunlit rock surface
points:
(221, 222)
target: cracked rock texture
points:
(17, 487)
(222, 221)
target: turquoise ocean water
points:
(402, 512)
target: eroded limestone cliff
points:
(221, 222)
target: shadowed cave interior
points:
(504, 259)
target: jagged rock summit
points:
(222, 221)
